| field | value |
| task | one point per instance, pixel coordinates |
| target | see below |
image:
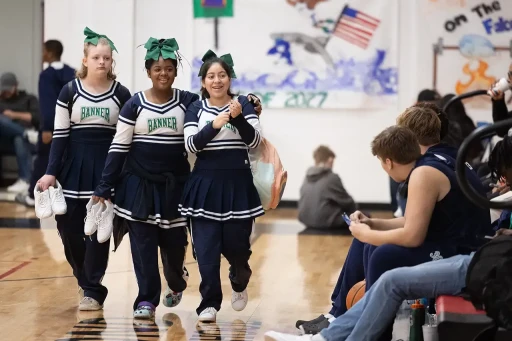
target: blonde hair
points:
(82, 72)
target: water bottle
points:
(417, 322)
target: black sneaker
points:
(301, 322)
(314, 328)
(321, 321)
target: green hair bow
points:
(225, 58)
(167, 49)
(93, 38)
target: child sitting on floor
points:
(323, 199)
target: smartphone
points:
(347, 219)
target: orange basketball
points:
(355, 294)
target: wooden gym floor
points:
(293, 275)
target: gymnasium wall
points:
(21, 40)
(295, 132)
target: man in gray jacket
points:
(323, 199)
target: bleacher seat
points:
(458, 319)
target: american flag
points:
(356, 27)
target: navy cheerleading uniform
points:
(148, 166)
(84, 127)
(220, 197)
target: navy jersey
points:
(81, 138)
(455, 217)
(224, 148)
(151, 135)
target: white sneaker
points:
(43, 204)
(104, 220)
(59, 206)
(32, 136)
(239, 300)
(208, 315)
(89, 304)
(23, 198)
(93, 209)
(20, 186)
(291, 337)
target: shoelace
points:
(239, 296)
(41, 201)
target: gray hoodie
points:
(323, 199)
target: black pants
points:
(211, 239)
(145, 240)
(40, 164)
(87, 257)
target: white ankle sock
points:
(329, 317)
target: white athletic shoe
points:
(43, 204)
(93, 210)
(291, 337)
(208, 315)
(20, 186)
(89, 304)
(239, 300)
(59, 206)
(105, 219)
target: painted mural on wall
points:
(309, 53)
(472, 45)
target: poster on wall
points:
(309, 53)
(471, 45)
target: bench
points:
(457, 319)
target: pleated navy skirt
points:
(82, 168)
(141, 200)
(221, 195)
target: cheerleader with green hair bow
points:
(148, 167)
(86, 115)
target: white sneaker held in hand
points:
(93, 210)
(43, 205)
(105, 219)
(59, 206)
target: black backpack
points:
(489, 280)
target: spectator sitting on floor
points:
(323, 199)
(19, 112)
(51, 81)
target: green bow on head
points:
(225, 58)
(167, 49)
(93, 38)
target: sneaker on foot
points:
(89, 304)
(239, 300)
(171, 298)
(290, 337)
(90, 225)
(316, 320)
(208, 315)
(43, 204)
(144, 311)
(25, 199)
(105, 221)
(315, 327)
(20, 186)
(32, 135)
(59, 206)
